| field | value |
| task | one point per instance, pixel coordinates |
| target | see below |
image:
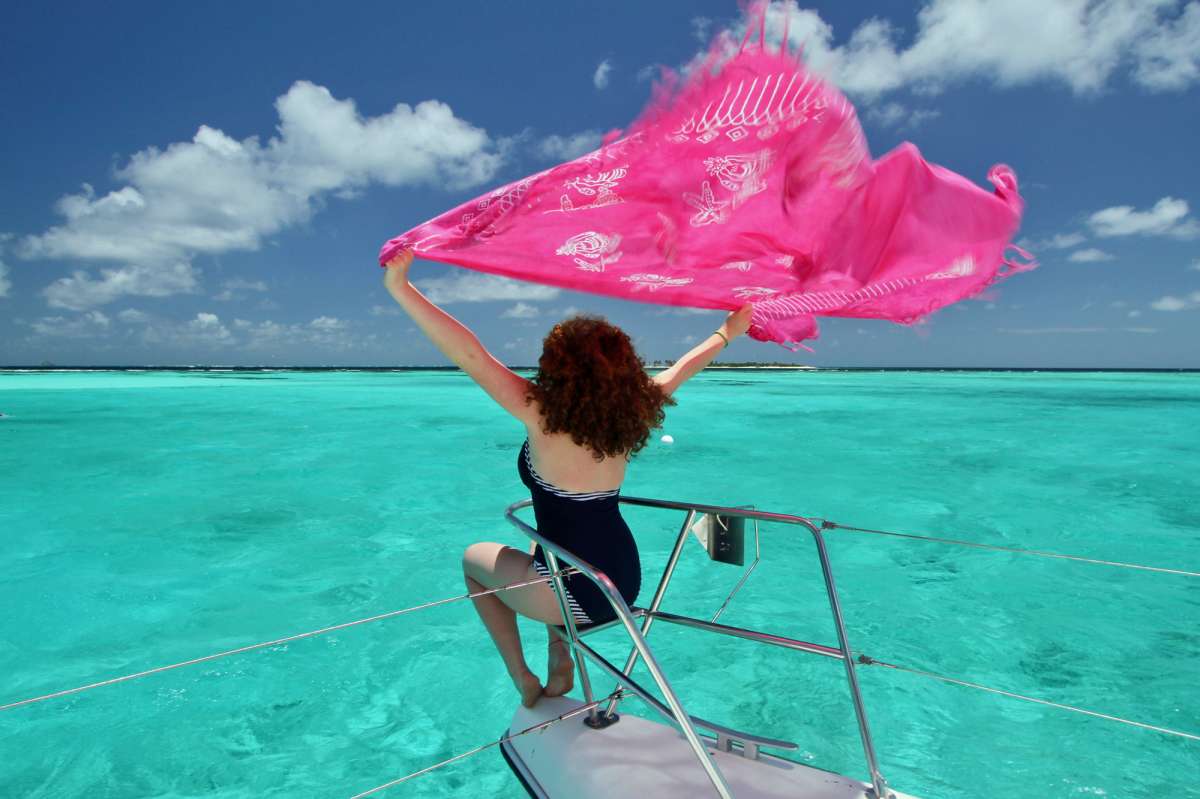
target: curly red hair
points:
(592, 385)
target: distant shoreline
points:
(714, 367)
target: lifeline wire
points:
(277, 641)
(539, 726)
(867, 660)
(828, 525)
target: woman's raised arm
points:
(457, 342)
(702, 354)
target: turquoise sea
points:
(152, 517)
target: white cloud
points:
(1169, 58)
(329, 333)
(1078, 43)
(233, 289)
(1168, 217)
(1195, 267)
(5, 281)
(600, 76)
(132, 316)
(258, 335)
(205, 330)
(1088, 256)
(1059, 241)
(570, 147)
(1037, 331)
(648, 73)
(327, 324)
(920, 116)
(1173, 303)
(521, 310)
(480, 287)
(81, 291)
(208, 325)
(1064, 241)
(1134, 314)
(701, 26)
(888, 115)
(324, 332)
(90, 325)
(1040, 331)
(895, 115)
(238, 284)
(385, 310)
(215, 194)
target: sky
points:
(210, 183)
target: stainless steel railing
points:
(674, 709)
(553, 553)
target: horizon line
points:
(46, 367)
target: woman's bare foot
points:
(529, 687)
(560, 669)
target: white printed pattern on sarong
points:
(753, 292)
(824, 301)
(655, 282)
(498, 204)
(769, 103)
(960, 268)
(592, 251)
(709, 210)
(741, 174)
(601, 187)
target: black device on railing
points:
(724, 537)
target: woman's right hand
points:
(737, 322)
(396, 275)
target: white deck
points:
(640, 758)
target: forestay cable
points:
(867, 660)
(828, 525)
(277, 641)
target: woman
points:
(589, 409)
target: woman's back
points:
(571, 467)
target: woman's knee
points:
(469, 558)
(480, 558)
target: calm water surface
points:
(147, 518)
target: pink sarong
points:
(750, 182)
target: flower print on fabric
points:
(592, 250)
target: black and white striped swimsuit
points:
(587, 524)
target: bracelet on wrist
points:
(722, 335)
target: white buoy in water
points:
(668, 439)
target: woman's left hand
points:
(396, 275)
(738, 322)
